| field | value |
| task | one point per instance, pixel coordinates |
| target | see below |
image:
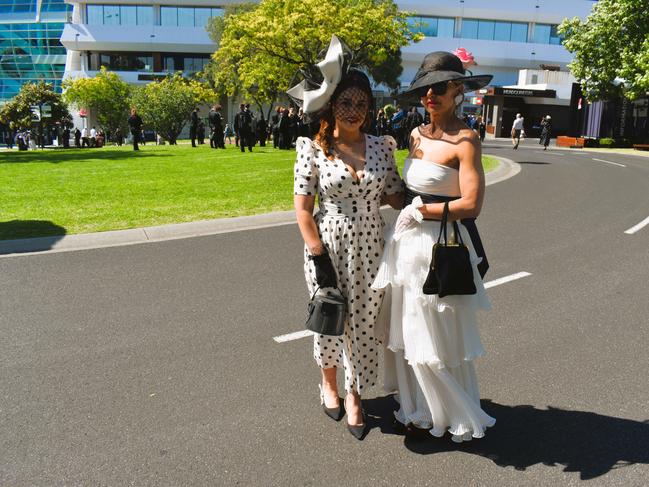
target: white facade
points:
(503, 36)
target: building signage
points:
(499, 90)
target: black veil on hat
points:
(442, 66)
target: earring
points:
(459, 99)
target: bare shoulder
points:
(468, 136)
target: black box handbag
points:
(450, 267)
(326, 314)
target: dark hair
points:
(353, 78)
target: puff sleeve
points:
(305, 171)
(393, 182)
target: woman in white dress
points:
(352, 173)
(433, 341)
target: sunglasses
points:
(439, 89)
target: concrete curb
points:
(86, 241)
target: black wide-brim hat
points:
(442, 66)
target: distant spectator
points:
(77, 138)
(546, 132)
(193, 126)
(93, 137)
(517, 129)
(85, 140)
(135, 124)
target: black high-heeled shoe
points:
(358, 430)
(334, 413)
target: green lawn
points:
(55, 192)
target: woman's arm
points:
(395, 200)
(305, 221)
(472, 183)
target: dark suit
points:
(243, 128)
(193, 128)
(216, 126)
(135, 124)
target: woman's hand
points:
(325, 274)
(408, 218)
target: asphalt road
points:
(155, 364)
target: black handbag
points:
(326, 314)
(450, 267)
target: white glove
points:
(408, 218)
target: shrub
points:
(606, 142)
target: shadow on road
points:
(49, 233)
(580, 441)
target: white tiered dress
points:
(431, 342)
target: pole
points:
(40, 125)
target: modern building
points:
(30, 47)
(142, 38)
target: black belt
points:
(469, 224)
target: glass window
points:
(111, 14)
(217, 12)
(555, 37)
(128, 15)
(541, 34)
(185, 17)
(429, 26)
(95, 14)
(519, 32)
(169, 16)
(445, 27)
(469, 29)
(486, 30)
(414, 24)
(144, 15)
(143, 63)
(168, 63)
(201, 16)
(502, 31)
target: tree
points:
(261, 47)
(166, 105)
(106, 94)
(613, 42)
(17, 114)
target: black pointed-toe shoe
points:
(335, 413)
(358, 430)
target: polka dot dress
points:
(351, 228)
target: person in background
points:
(216, 127)
(482, 128)
(261, 130)
(546, 131)
(274, 126)
(77, 138)
(243, 128)
(193, 126)
(93, 137)
(228, 133)
(381, 123)
(135, 124)
(517, 129)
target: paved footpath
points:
(156, 364)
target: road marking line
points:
(637, 227)
(506, 279)
(609, 162)
(293, 336)
(496, 282)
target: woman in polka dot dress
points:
(352, 173)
